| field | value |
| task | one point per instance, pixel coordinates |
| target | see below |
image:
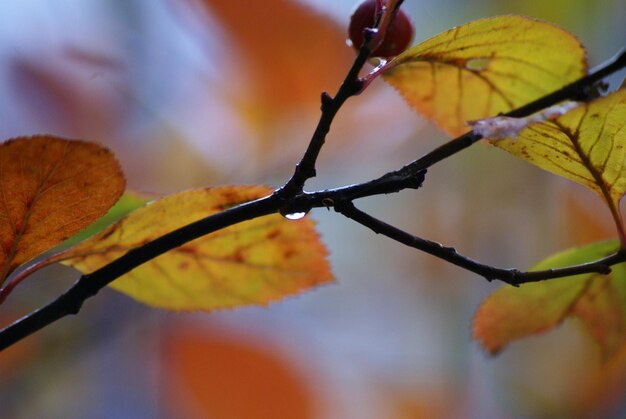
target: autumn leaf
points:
(586, 145)
(247, 379)
(599, 301)
(604, 390)
(485, 67)
(254, 262)
(51, 188)
(291, 51)
(128, 202)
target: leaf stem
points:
(619, 222)
(22, 275)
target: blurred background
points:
(193, 93)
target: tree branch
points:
(510, 276)
(352, 85)
(89, 285)
(291, 198)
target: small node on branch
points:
(358, 86)
(417, 180)
(328, 203)
(327, 100)
(514, 279)
(592, 92)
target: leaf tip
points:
(482, 333)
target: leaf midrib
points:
(597, 176)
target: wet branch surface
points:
(292, 198)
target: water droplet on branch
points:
(295, 216)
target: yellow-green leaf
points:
(586, 145)
(485, 67)
(51, 188)
(599, 301)
(254, 262)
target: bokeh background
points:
(193, 93)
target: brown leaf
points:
(51, 188)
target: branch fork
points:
(291, 198)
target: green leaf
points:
(599, 301)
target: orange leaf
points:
(599, 301)
(604, 391)
(484, 68)
(222, 377)
(254, 262)
(51, 188)
(291, 52)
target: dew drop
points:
(381, 63)
(295, 216)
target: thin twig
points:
(351, 86)
(510, 276)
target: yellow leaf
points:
(51, 188)
(254, 262)
(586, 145)
(599, 301)
(485, 67)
